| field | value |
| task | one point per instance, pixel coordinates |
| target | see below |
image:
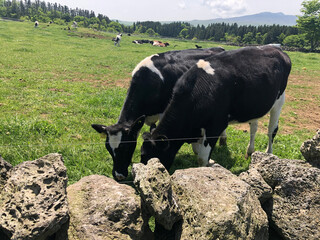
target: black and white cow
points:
(234, 86)
(117, 40)
(149, 93)
(142, 41)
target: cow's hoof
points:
(211, 163)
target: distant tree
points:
(150, 32)
(184, 33)
(281, 37)
(259, 38)
(267, 38)
(309, 22)
(248, 38)
(116, 26)
(141, 29)
(294, 41)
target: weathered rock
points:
(101, 208)
(218, 205)
(214, 203)
(33, 203)
(259, 186)
(310, 149)
(5, 168)
(294, 210)
(154, 185)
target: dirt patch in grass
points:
(122, 83)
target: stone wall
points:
(274, 199)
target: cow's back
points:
(153, 80)
(239, 85)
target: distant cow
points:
(164, 44)
(149, 93)
(117, 40)
(160, 44)
(234, 86)
(142, 41)
(75, 24)
(36, 24)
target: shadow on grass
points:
(222, 156)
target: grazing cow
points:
(150, 91)
(235, 86)
(74, 24)
(117, 40)
(36, 24)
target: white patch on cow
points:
(205, 66)
(253, 131)
(203, 151)
(148, 63)
(274, 119)
(114, 141)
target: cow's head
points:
(159, 147)
(121, 141)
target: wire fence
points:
(193, 139)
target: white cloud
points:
(226, 8)
(182, 5)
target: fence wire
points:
(193, 139)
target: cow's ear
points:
(162, 142)
(137, 125)
(146, 136)
(147, 141)
(102, 129)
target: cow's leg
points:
(253, 130)
(202, 149)
(195, 147)
(274, 120)
(223, 138)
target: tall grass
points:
(55, 83)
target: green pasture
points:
(54, 83)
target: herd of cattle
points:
(196, 93)
(154, 43)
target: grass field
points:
(55, 83)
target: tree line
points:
(52, 12)
(305, 34)
(219, 32)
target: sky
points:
(182, 10)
